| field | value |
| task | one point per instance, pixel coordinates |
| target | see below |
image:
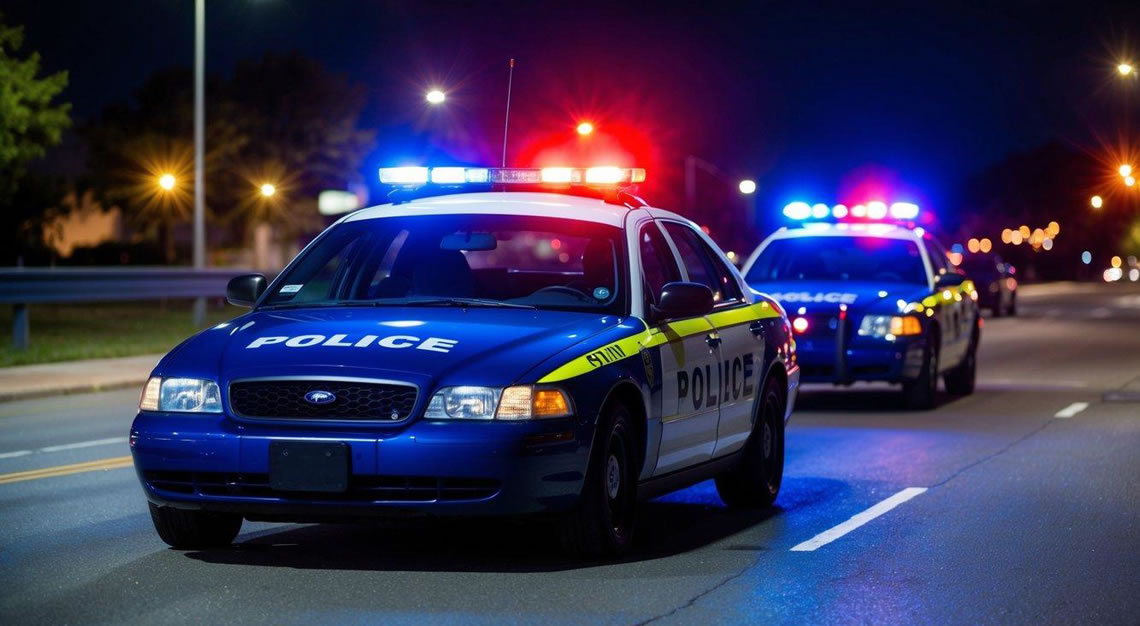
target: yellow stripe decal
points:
(650, 337)
(63, 470)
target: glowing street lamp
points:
(435, 96)
(1097, 202)
(585, 128)
(747, 186)
(1125, 69)
(268, 189)
(166, 181)
(1129, 180)
(1125, 170)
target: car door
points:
(954, 314)
(689, 377)
(741, 339)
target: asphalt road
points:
(1003, 513)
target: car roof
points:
(503, 203)
(822, 229)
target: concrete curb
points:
(73, 377)
(46, 392)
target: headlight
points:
(889, 326)
(182, 395)
(484, 403)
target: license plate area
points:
(316, 466)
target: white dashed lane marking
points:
(1071, 410)
(835, 532)
(67, 446)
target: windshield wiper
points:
(467, 302)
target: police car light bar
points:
(456, 176)
(871, 211)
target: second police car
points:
(501, 350)
(871, 298)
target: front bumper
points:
(827, 359)
(217, 463)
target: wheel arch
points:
(627, 392)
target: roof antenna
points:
(507, 121)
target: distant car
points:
(506, 347)
(871, 301)
(994, 278)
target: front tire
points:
(755, 482)
(918, 394)
(602, 524)
(188, 530)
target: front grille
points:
(354, 400)
(360, 488)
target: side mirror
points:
(952, 279)
(244, 290)
(681, 299)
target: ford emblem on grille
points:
(320, 396)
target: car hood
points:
(820, 296)
(428, 346)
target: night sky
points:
(811, 99)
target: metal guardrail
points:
(23, 286)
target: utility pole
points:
(199, 151)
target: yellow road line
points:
(63, 470)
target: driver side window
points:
(658, 267)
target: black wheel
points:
(603, 522)
(186, 530)
(960, 380)
(755, 482)
(918, 394)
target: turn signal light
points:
(905, 326)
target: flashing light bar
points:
(452, 176)
(872, 211)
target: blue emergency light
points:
(873, 211)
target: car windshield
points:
(459, 260)
(873, 259)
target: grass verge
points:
(66, 332)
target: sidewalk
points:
(53, 379)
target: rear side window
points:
(703, 264)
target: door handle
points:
(756, 328)
(713, 341)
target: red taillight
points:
(800, 324)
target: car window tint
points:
(658, 265)
(704, 265)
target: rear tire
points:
(187, 530)
(918, 394)
(755, 482)
(960, 380)
(602, 524)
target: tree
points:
(29, 124)
(282, 120)
(302, 123)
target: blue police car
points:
(871, 298)
(495, 341)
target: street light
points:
(747, 186)
(1096, 202)
(585, 128)
(435, 96)
(1125, 170)
(1124, 69)
(1129, 180)
(268, 189)
(166, 181)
